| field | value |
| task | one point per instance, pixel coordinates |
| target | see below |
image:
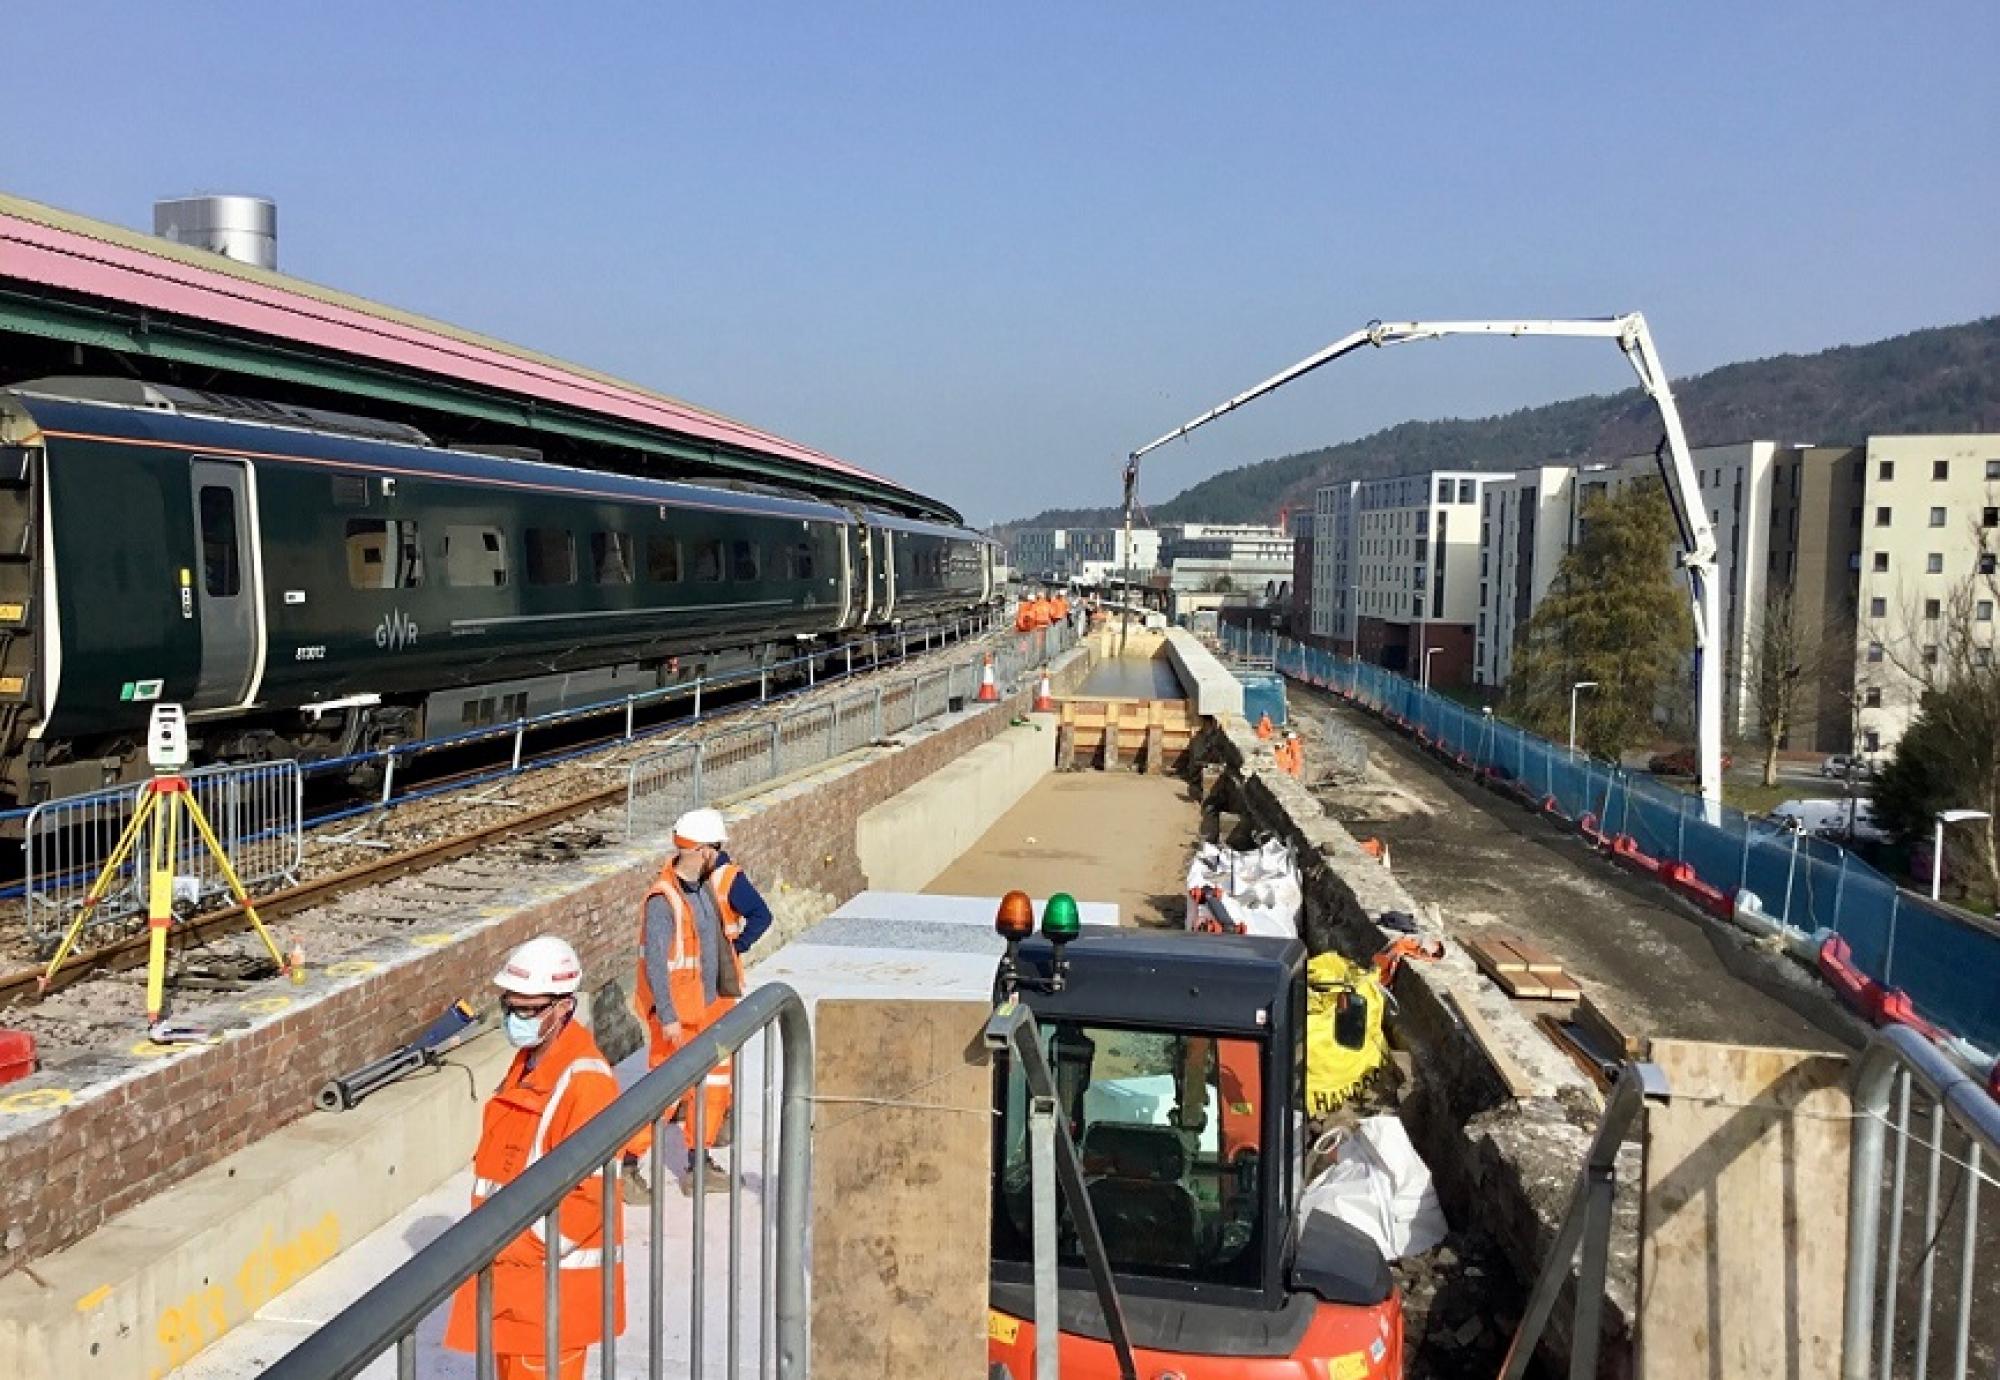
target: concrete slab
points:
(1215, 691)
(907, 840)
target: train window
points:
(708, 560)
(611, 558)
(475, 557)
(383, 553)
(221, 566)
(663, 559)
(799, 561)
(743, 560)
(551, 556)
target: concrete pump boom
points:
(1676, 470)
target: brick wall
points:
(75, 1167)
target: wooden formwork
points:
(1109, 732)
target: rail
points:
(1885, 1332)
(388, 1316)
(1586, 1225)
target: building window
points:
(1878, 607)
(383, 553)
(1937, 517)
(1993, 469)
(1872, 698)
(551, 556)
(1417, 606)
(1986, 563)
(221, 563)
(1881, 517)
(1934, 563)
(1881, 562)
(1932, 610)
(1989, 517)
(1444, 491)
(1875, 652)
(611, 558)
(1886, 470)
(1940, 469)
(1983, 611)
(1872, 741)
(1465, 491)
(475, 557)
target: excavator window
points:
(1169, 1126)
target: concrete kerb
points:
(1506, 1166)
(42, 1296)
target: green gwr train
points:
(310, 584)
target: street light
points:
(1945, 817)
(1424, 679)
(1580, 685)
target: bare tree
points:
(1949, 756)
(1790, 654)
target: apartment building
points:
(1199, 555)
(1526, 520)
(1929, 539)
(1087, 555)
(1399, 582)
(1818, 499)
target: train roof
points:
(66, 278)
(300, 440)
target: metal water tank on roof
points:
(244, 228)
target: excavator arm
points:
(1697, 534)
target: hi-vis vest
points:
(686, 1002)
(529, 1114)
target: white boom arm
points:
(1677, 469)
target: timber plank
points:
(902, 1138)
(1745, 1187)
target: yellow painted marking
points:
(146, 1049)
(1001, 1328)
(36, 1099)
(1352, 1366)
(352, 967)
(265, 1006)
(93, 1298)
(432, 941)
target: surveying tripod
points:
(164, 801)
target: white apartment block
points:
(1090, 555)
(1525, 524)
(1929, 540)
(1415, 543)
(1250, 557)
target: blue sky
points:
(987, 249)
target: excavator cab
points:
(1179, 1066)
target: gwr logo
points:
(396, 631)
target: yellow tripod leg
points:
(100, 888)
(164, 841)
(235, 883)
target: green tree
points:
(1613, 615)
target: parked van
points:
(1828, 819)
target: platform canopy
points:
(78, 295)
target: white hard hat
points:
(544, 966)
(703, 826)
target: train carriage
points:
(306, 582)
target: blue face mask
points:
(524, 1032)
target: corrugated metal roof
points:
(54, 248)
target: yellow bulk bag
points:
(1344, 1003)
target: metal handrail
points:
(1587, 1222)
(388, 1315)
(1897, 1057)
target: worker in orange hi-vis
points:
(1264, 729)
(1059, 608)
(1024, 614)
(1041, 611)
(557, 1082)
(701, 913)
(1295, 754)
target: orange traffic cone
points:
(989, 693)
(1044, 698)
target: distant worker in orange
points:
(700, 916)
(557, 1082)
(1024, 614)
(1295, 754)
(1265, 731)
(1042, 611)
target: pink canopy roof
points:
(54, 249)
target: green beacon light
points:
(1060, 922)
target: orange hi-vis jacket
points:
(686, 1002)
(533, 1111)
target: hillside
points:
(1938, 380)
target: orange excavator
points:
(1167, 1063)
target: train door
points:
(225, 584)
(884, 559)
